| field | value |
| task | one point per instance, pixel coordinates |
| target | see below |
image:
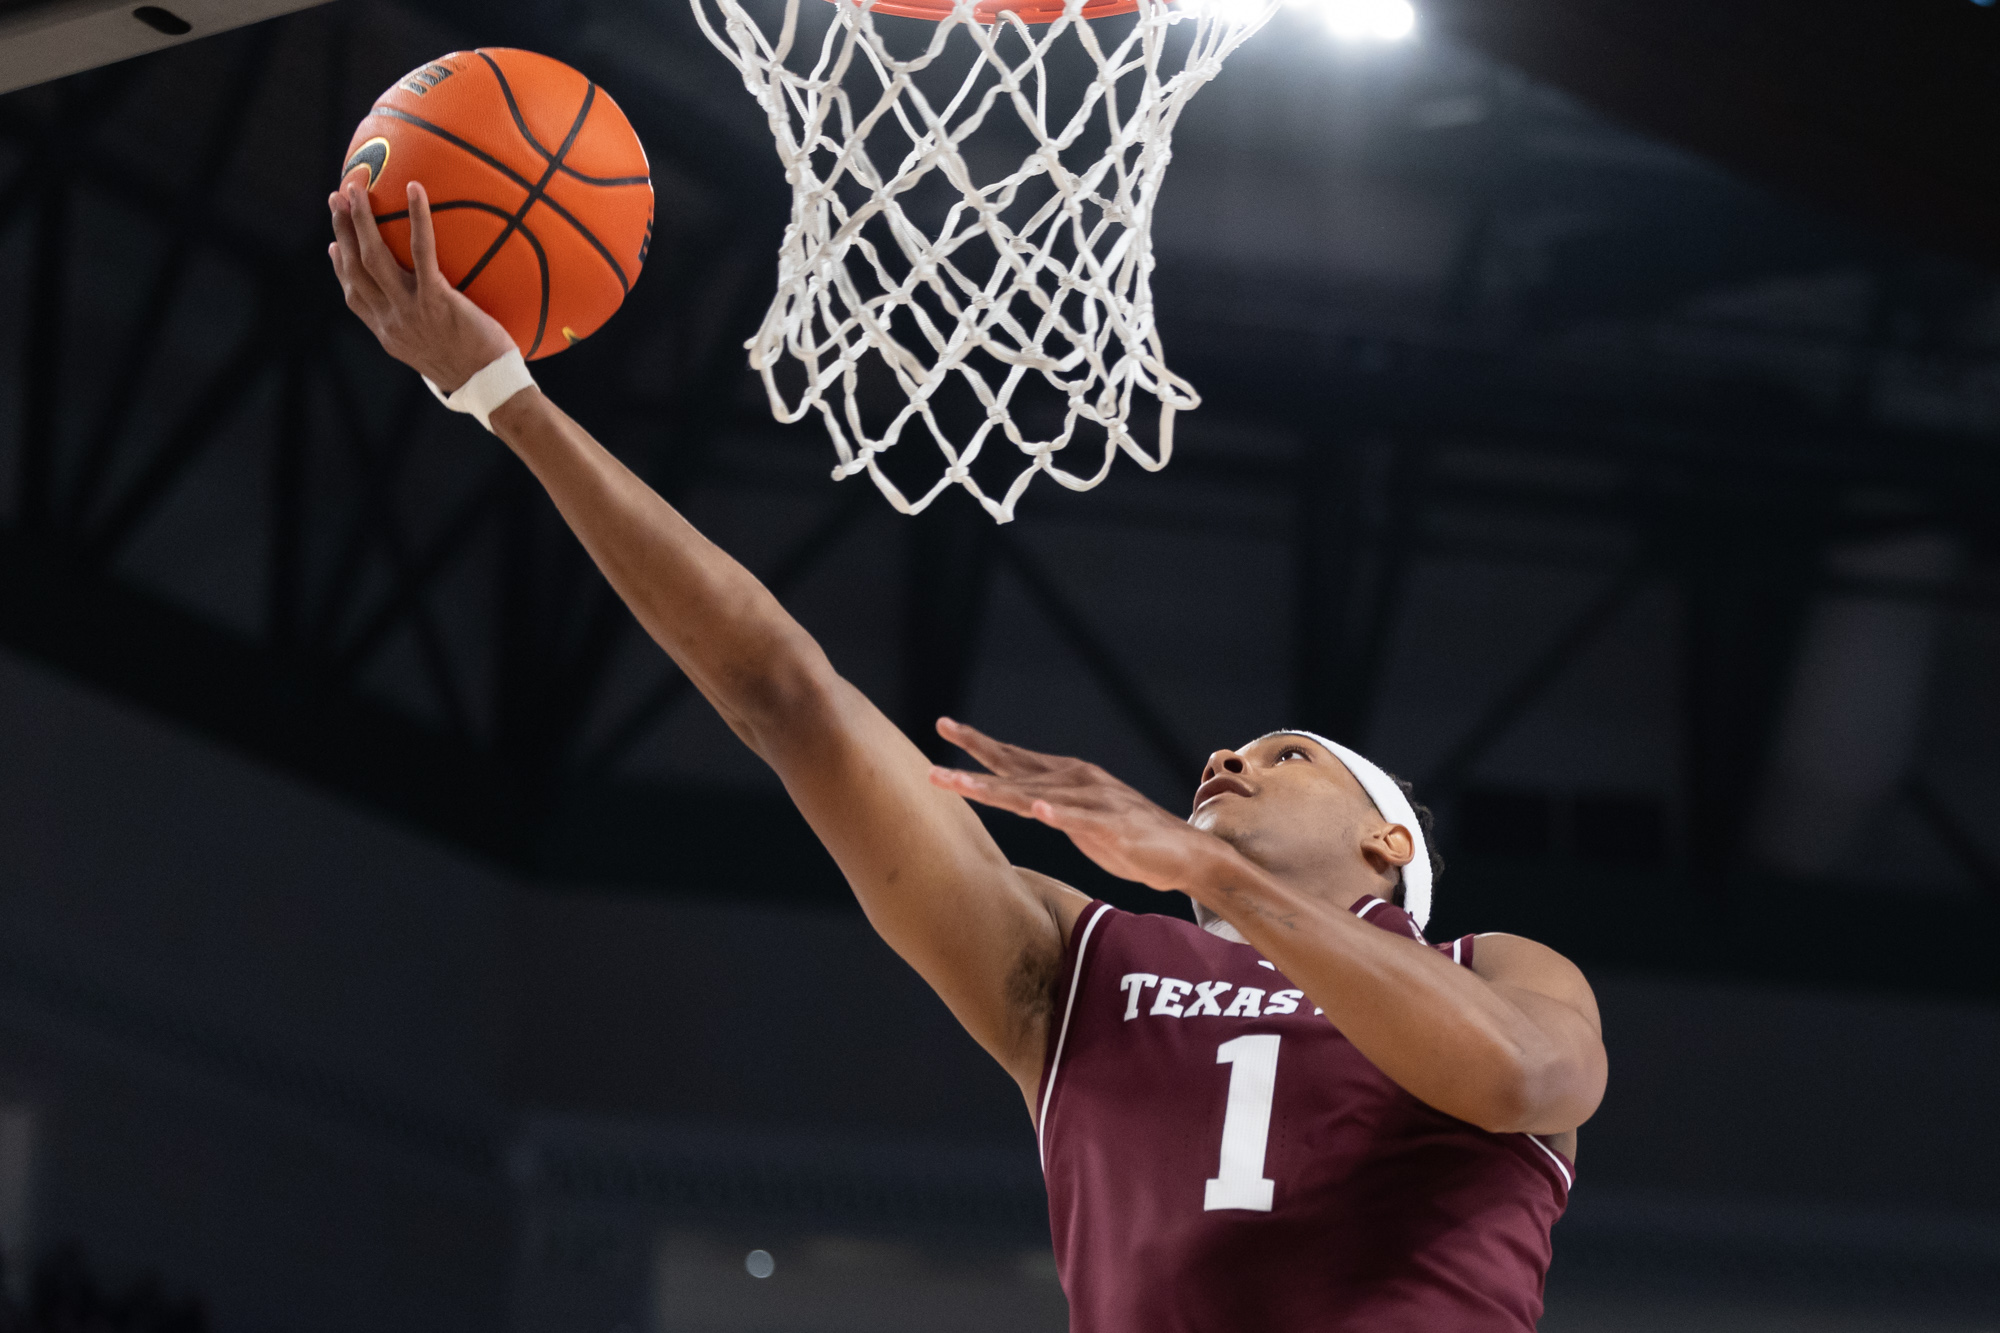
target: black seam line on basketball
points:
(456, 142)
(447, 206)
(541, 321)
(520, 180)
(535, 195)
(541, 255)
(521, 124)
(557, 159)
(515, 176)
(514, 107)
(606, 181)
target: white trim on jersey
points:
(1222, 930)
(1055, 1061)
(1456, 946)
(1408, 920)
(1569, 1181)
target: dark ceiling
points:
(1589, 401)
(1879, 109)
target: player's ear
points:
(1388, 847)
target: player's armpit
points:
(1568, 1063)
(987, 936)
(931, 879)
(1039, 981)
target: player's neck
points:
(1337, 891)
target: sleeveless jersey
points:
(1220, 1159)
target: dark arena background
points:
(1601, 427)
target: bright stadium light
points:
(1369, 20)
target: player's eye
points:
(1288, 752)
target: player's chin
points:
(1214, 819)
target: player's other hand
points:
(418, 317)
(1109, 822)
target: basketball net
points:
(1044, 273)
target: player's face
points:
(1285, 803)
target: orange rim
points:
(988, 11)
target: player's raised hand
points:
(1112, 824)
(419, 318)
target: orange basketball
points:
(540, 190)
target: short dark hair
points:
(1426, 822)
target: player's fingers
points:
(1105, 841)
(375, 257)
(996, 755)
(363, 297)
(345, 235)
(1019, 793)
(1059, 817)
(985, 789)
(362, 294)
(1082, 825)
(423, 238)
(333, 258)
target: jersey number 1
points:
(1246, 1124)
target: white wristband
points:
(483, 394)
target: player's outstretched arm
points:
(1514, 1046)
(987, 937)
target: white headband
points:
(1393, 806)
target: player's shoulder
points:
(1500, 950)
(1143, 932)
(1515, 960)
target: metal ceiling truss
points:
(392, 529)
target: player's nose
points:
(1223, 761)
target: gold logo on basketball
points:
(373, 155)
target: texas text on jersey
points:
(1220, 1159)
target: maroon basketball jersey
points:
(1220, 1159)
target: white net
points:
(1011, 314)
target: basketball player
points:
(1297, 1117)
